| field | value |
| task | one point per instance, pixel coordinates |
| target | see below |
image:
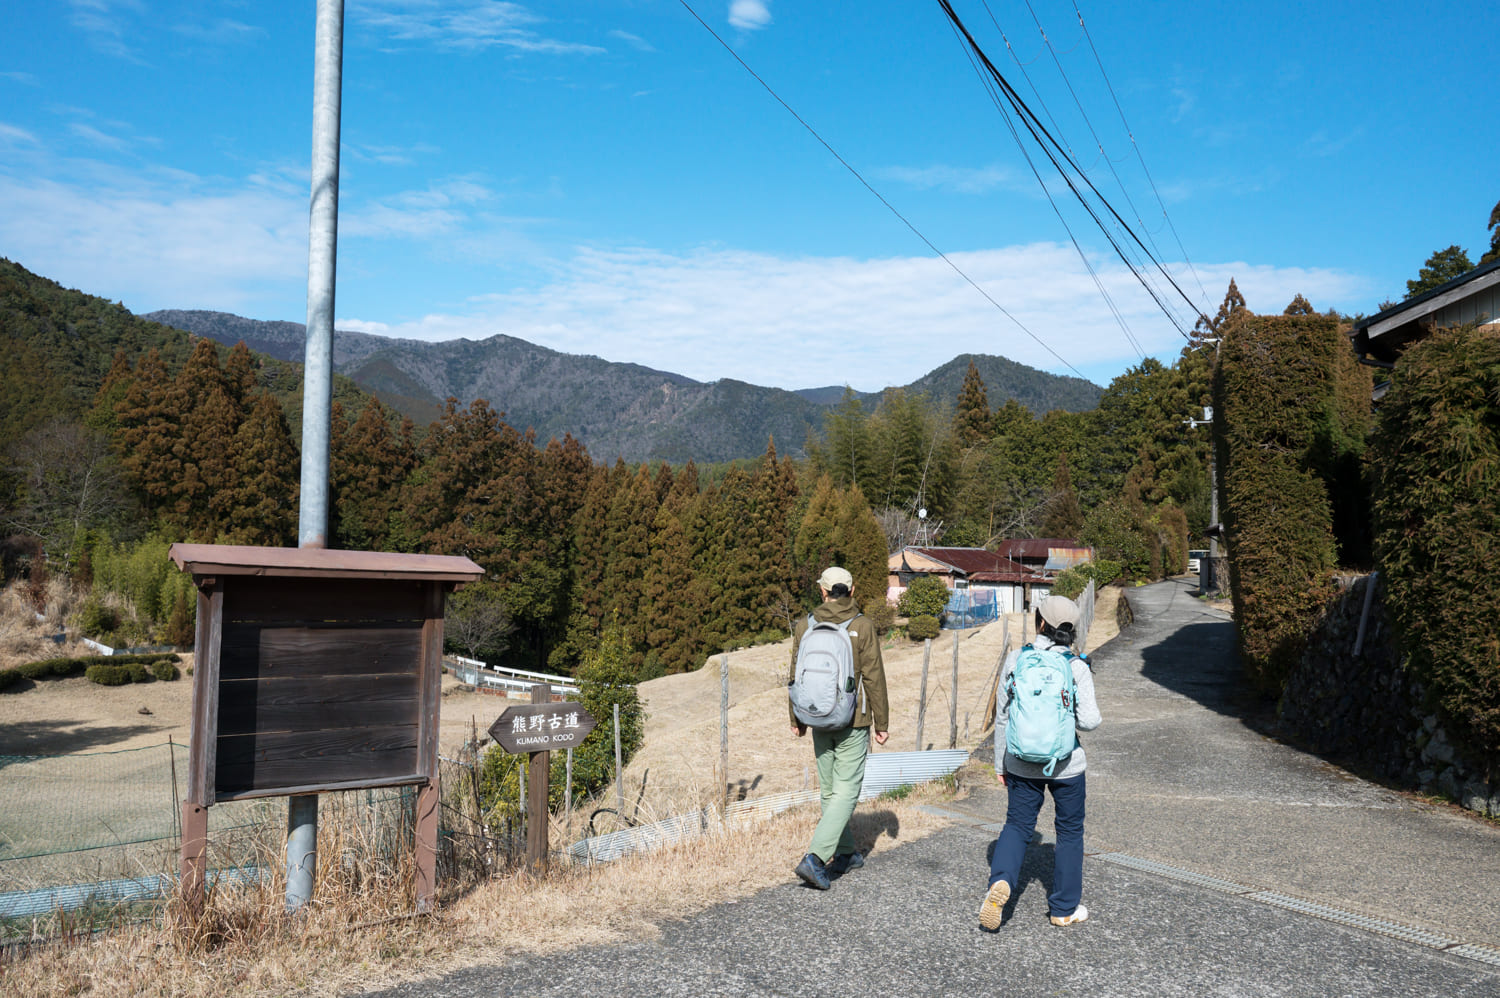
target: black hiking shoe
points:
(813, 872)
(844, 862)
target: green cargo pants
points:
(841, 772)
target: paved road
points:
(1204, 839)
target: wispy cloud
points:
(11, 135)
(959, 179)
(202, 244)
(1321, 144)
(749, 15)
(390, 155)
(463, 24)
(634, 41)
(107, 24)
(25, 79)
(440, 209)
(767, 317)
(99, 138)
(219, 31)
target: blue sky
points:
(602, 177)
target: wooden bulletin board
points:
(315, 670)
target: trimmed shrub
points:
(923, 626)
(925, 596)
(1436, 465)
(117, 670)
(108, 675)
(1291, 413)
(1071, 582)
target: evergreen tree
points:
(1232, 307)
(860, 547)
(848, 456)
(1443, 266)
(631, 516)
(1299, 306)
(1494, 251)
(971, 419)
(261, 508)
(209, 420)
(369, 465)
(670, 615)
(813, 549)
(148, 435)
(1064, 518)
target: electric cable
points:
(1099, 284)
(1134, 145)
(866, 184)
(1039, 132)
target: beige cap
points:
(1058, 610)
(835, 576)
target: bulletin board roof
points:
(236, 559)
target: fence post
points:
(922, 697)
(953, 699)
(619, 774)
(724, 729)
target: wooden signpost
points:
(537, 729)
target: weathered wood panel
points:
(306, 601)
(252, 651)
(317, 759)
(312, 704)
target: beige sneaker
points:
(994, 905)
(1080, 914)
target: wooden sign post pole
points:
(538, 764)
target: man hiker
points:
(1041, 754)
(837, 688)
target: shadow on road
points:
(1199, 661)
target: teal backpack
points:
(1041, 726)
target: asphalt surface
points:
(1220, 862)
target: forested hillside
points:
(151, 436)
(615, 409)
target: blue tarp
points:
(970, 608)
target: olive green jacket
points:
(870, 707)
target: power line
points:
(1191, 269)
(866, 184)
(1039, 132)
(1108, 299)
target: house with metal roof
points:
(1017, 582)
(1472, 297)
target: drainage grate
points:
(1394, 930)
(1406, 933)
(1172, 872)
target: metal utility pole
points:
(317, 375)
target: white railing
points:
(519, 681)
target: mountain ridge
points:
(616, 409)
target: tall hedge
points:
(1291, 415)
(1436, 463)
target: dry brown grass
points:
(358, 932)
(23, 638)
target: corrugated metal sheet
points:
(25, 904)
(884, 771)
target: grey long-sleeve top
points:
(1085, 712)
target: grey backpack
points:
(822, 689)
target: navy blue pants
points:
(1020, 821)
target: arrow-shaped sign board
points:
(542, 727)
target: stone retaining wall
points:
(1367, 712)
